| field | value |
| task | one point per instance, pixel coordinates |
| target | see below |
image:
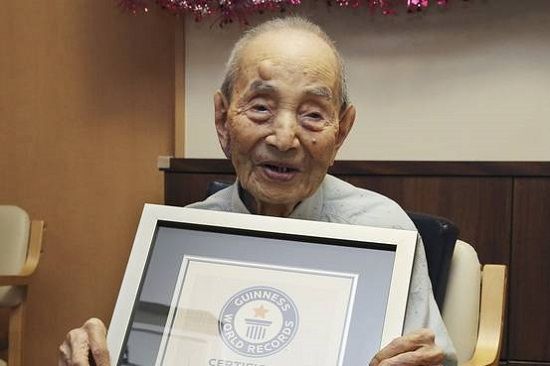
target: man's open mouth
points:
(280, 169)
(281, 173)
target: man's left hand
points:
(414, 349)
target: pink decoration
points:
(228, 11)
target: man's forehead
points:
(291, 57)
(271, 49)
(320, 78)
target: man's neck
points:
(262, 208)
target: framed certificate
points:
(208, 288)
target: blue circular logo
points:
(258, 321)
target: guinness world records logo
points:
(258, 321)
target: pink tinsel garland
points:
(228, 11)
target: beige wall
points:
(86, 106)
(470, 83)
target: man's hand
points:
(414, 349)
(85, 346)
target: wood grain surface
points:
(530, 281)
(86, 106)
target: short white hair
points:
(294, 23)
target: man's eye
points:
(259, 112)
(260, 108)
(314, 116)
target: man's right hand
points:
(85, 345)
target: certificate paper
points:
(230, 313)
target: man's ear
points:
(221, 107)
(347, 118)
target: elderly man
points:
(281, 116)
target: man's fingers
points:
(405, 344)
(396, 347)
(97, 341)
(77, 341)
(426, 356)
(85, 346)
(64, 354)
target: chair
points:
(20, 247)
(474, 307)
(471, 297)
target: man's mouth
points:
(279, 172)
(280, 169)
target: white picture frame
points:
(267, 246)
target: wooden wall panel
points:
(530, 277)
(86, 106)
(182, 189)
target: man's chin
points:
(268, 194)
(272, 193)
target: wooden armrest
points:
(491, 317)
(33, 255)
(35, 248)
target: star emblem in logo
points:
(260, 312)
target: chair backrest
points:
(462, 302)
(439, 236)
(214, 186)
(14, 238)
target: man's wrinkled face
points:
(282, 128)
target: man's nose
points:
(283, 135)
